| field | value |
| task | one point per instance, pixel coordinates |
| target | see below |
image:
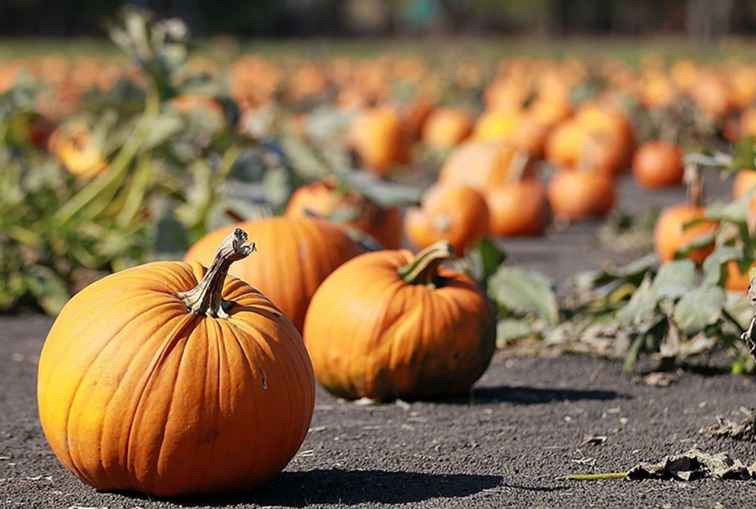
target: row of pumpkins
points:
(172, 379)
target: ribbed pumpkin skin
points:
(296, 255)
(136, 393)
(392, 339)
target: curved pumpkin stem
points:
(423, 270)
(205, 298)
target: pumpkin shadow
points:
(352, 487)
(524, 395)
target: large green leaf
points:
(699, 308)
(510, 329)
(48, 289)
(712, 266)
(641, 310)
(674, 279)
(524, 292)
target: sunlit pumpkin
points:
(414, 330)
(324, 198)
(297, 254)
(171, 379)
(735, 279)
(455, 213)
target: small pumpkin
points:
(415, 330)
(577, 195)
(735, 279)
(482, 164)
(326, 199)
(744, 182)
(377, 136)
(671, 233)
(303, 253)
(455, 213)
(78, 150)
(658, 164)
(172, 379)
(446, 128)
(518, 208)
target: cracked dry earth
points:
(523, 427)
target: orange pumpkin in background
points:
(577, 195)
(160, 378)
(297, 254)
(455, 213)
(78, 150)
(670, 234)
(735, 279)
(658, 164)
(482, 165)
(377, 137)
(518, 208)
(447, 127)
(744, 182)
(324, 198)
(413, 331)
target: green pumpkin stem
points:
(423, 270)
(205, 298)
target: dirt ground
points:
(522, 428)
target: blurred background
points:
(699, 20)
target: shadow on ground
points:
(536, 395)
(352, 487)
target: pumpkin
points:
(302, 253)
(518, 208)
(377, 137)
(414, 330)
(324, 198)
(447, 128)
(172, 379)
(457, 214)
(576, 195)
(658, 164)
(735, 279)
(78, 150)
(483, 164)
(744, 182)
(670, 234)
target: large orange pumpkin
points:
(324, 198)
(172, 379)
(414, 330)
(457, 214)
(299, 253)
(447, 128)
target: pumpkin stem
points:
(205, 298)
(692, 178)
(423, 270)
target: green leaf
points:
(510, 329)
(160, 129)
(745, 154)
(640, 311)
(712, 266)
(382, 192)
(699, 242)
(699, 308)
(524, 292)
(484, 260)
(48, 288)
(674, 279)
(733, 212)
